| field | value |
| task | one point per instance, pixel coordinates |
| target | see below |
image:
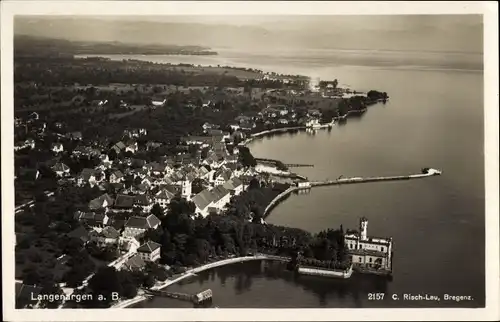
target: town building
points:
(106, 237)
(150, 251)
(135, 263)
(103, 202)
(137, 226)
(234, 185)
(163, 197)
(61, 169)
(57, 147)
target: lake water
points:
(434, 119)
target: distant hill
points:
(49, 46)
(398, 32)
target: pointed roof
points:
(99, 201)
(148, 247)
(142, 200)
(219, 192)
(80, 232)
(143, 222)
(60, 167)
(232, 184)
(110, 232)
(118, 174)
(124, 201)
(135, 262)
(165, 194)
(203, 199)
(87, 173)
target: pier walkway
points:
(302, 185)
(297, 165)
(371, 179)
(196, 298)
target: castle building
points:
(372, 254)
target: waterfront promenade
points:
(192, 272)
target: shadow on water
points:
(355, 288)
(327, 290)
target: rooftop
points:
(148, 247)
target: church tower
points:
(186, 189)
(363, 228)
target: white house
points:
(203, 201)
(150, 251)
(158, 101)
(103, 202)
(234, 127)
(87, 176)
(220, 197)
(132, 147)
(104, 158)
(107, 236)
(57, 147)
(34, 116)
(135, 133)
(128, 244)
(221, 176)
(116, 177)
(61, 169)
(143, 202)
(234, 185)
(163, 197)
(95, 220)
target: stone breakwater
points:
(309, 185)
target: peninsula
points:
(132, 175)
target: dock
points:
(196, 298)
(298, 165)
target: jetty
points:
(273, 162)
(429, 172)
(298, 165)
(196, 298)
(305, 184)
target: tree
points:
(149, 281)
(254, 184)
(246, 158)
(106, 281)
(157, 211)
(155, 235)
(112, 155)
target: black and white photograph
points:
(207, 156)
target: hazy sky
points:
(395, 32)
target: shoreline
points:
(257, 135)
(192, 272)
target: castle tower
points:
(186, 189)
(363, 228)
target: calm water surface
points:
(434, 119)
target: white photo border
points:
(488, 9)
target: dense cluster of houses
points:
(120, 217)
(131, 186)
